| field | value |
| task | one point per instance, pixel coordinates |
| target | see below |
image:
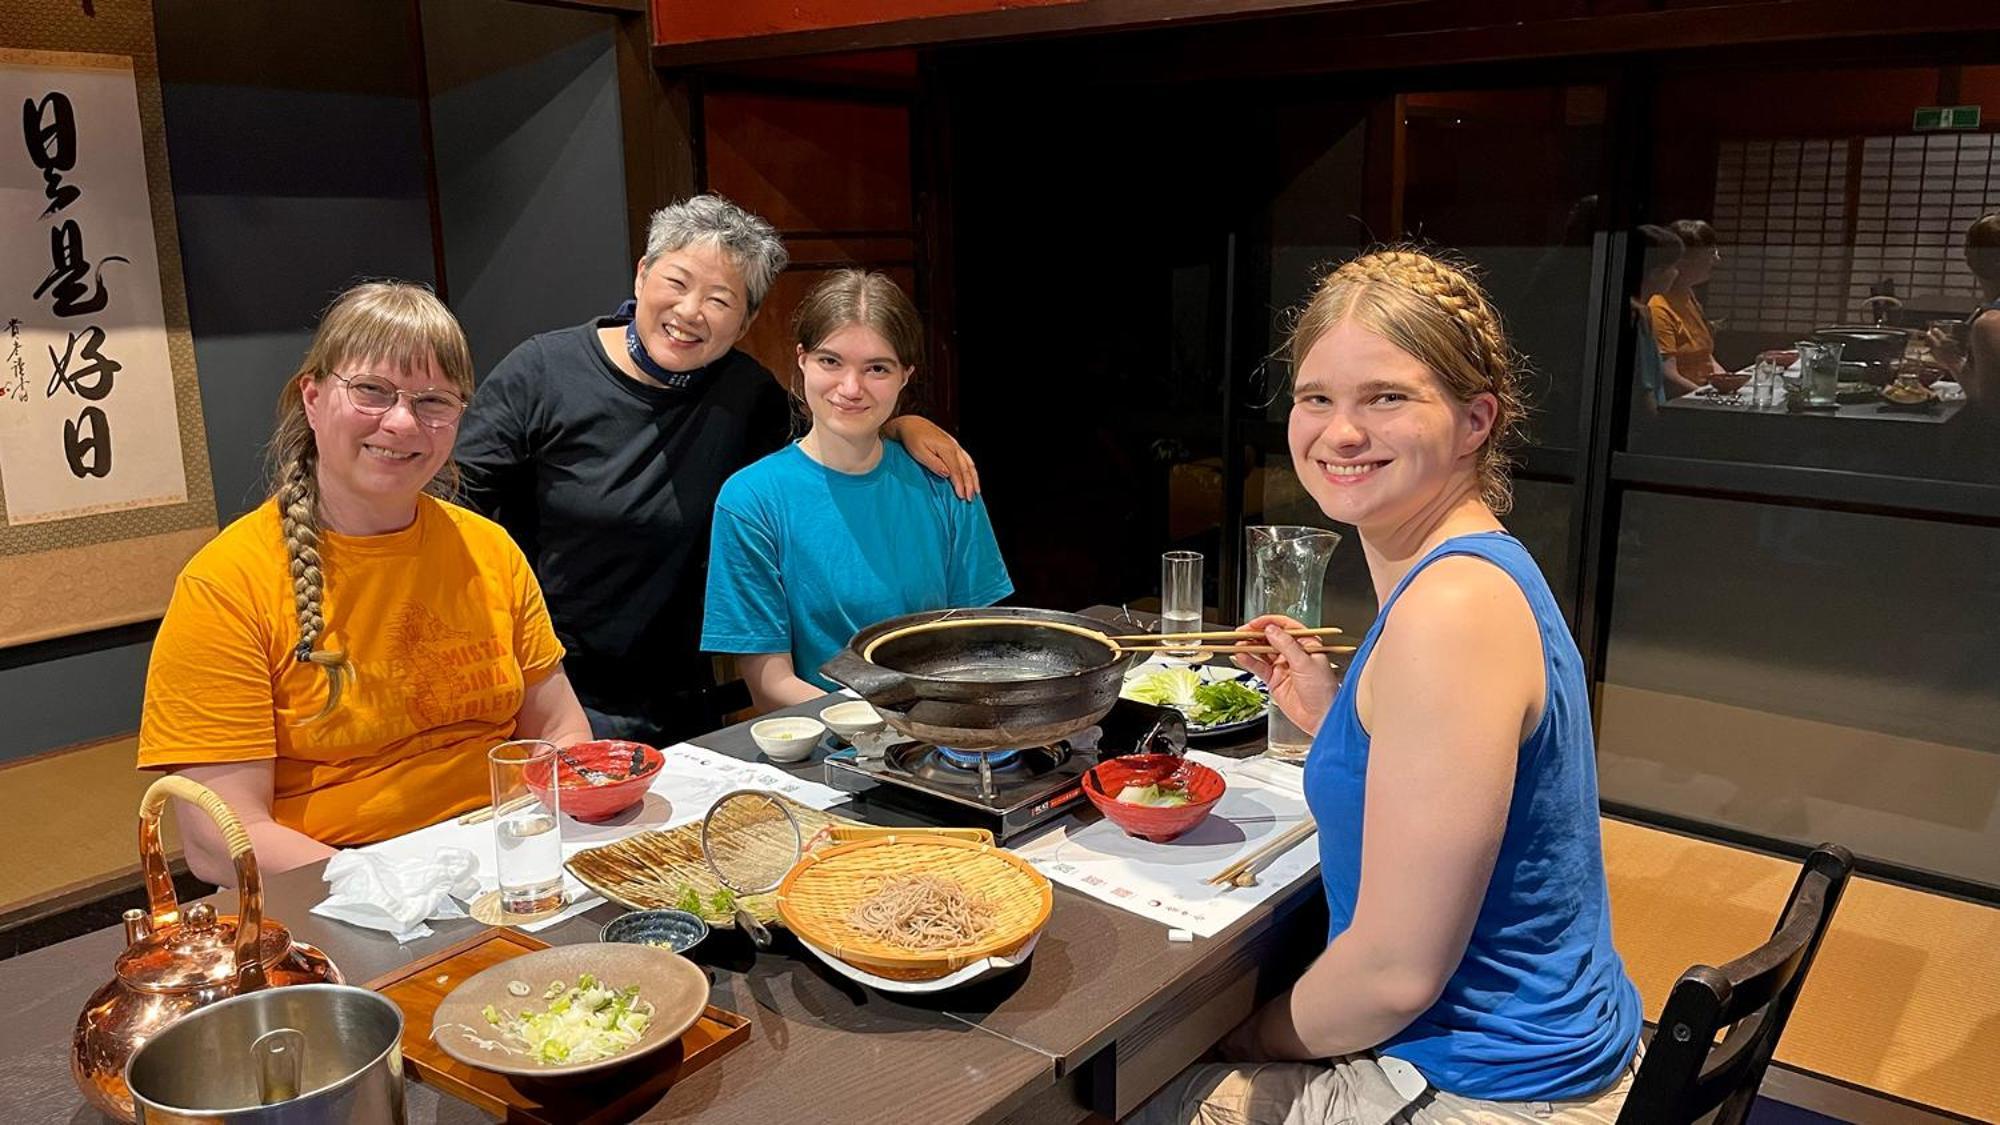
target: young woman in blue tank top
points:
(1469, 973)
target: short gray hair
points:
(713, 220)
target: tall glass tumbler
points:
(527, 825)
(1285, 573)
(1180, 595)
(1820, 364)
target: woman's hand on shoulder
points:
(937, 451)
(1302, 683)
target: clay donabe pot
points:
(1024, 677)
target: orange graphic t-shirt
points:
(445, 626)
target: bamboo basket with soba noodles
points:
(916, 906)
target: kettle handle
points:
(166, 907)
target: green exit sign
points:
(1947, 117)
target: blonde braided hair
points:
(394, 321)
(1433, 309)
(298, 513)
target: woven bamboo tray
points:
(816, 897)
(653, 870)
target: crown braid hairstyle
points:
(395, 321)
(1434, 310)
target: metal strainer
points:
(750, 840)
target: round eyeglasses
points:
(372, 394)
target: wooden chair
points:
(1686, 1073)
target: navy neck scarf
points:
(636, 348)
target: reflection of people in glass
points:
(1678, 322)
(1660, 253)
(1982, 328)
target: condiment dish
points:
(787, 739)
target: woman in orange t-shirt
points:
(337, 663)
(1686, 340)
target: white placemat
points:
(689, 782)
(1164, 881)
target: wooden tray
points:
(418, 989)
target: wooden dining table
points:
(1105, 1012)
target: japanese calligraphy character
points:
(100, 368)
(50, 130)
(89, 453)
(70, 267)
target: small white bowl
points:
(789, 739)
(852, 718)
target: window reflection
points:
(1819, 317)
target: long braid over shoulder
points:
(378, 321)
(298, 513)
(1434, 310)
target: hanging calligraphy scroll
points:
(104, 482)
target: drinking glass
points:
(1766, 384)
(1180, 595)
(527, 825)
(1820, 364)
(1286, 574)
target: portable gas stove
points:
(1004, 791)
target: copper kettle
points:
(180, 960)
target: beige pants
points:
(1353, 1090)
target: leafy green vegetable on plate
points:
(1204, 704)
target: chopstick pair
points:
(1264, 650)
(1243, 873)
(1178, 642)
(481, 816)
(1224, 634)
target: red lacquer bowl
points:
(1106, 780)
(591, 803)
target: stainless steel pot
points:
(311, 1054)
(1031, 678)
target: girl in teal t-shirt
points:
(840, 529)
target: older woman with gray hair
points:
(601, 448)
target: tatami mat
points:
(72, 823)
(1905, 995)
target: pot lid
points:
(199, 951)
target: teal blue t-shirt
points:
(803, 557)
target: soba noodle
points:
(923, 912)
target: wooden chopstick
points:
(481, 816)
(1254, 649)
(1282, 843)
(1227, 634)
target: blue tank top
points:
(1540, 1008)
